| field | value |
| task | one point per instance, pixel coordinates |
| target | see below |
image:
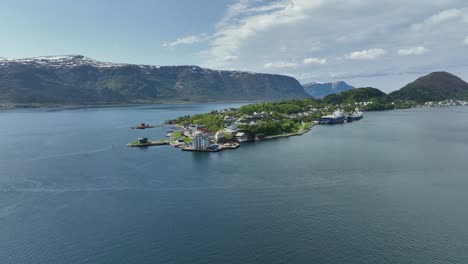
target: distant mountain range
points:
(320, 90)
(436, 86)
(77, 79)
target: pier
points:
(144, 142)
(220, 148)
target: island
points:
(229, 128)
(143, 126)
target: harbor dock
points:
(220, 148)
(144, 142)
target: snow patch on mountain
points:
(69, 61)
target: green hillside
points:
(437, 86)
(76, 79)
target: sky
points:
(383, 44)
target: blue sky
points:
(120, 31)
(384, 44)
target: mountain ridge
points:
(76, 79)
(322, 89)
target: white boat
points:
(357, 115)
(337, 117)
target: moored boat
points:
(357, 115)
(338, 117)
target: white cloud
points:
(419, 50)
(439, 18)
(187, 40)
(233, 11)
(369, 54)
(293, 36)
(316, 61)
(245, 19)
(466, 41)
(444, 16)
(279, 65)
(245, 7)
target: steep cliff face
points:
(80, 80)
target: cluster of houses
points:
(203, 139)
(363, 103)
(193, 129)
(450, 102)
(359, 105)
(246, 119)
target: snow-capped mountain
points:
(65, 61)
(76, 79)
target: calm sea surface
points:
(391, 188)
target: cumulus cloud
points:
(316, 61)
(187, 40)
(369, 54)
(439, 18)
(279, 65)
(419, 50)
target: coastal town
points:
(229, 128)
(198, 137)
(450, 102)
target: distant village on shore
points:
(228, 128)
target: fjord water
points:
(390, 188)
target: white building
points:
(241, 137)
(200, 141)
